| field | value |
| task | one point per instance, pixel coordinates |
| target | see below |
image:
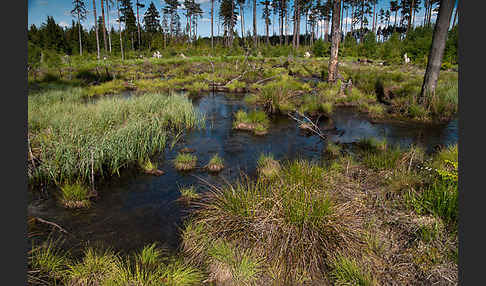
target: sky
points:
(38, 10)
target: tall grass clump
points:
(95, 268)
(440, 196)
(291, 221)
(346, 271)
(75, 195)
(215, 164)
(47, 262)
(185, 161)
(73, 138)
(256, 121)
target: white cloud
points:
(43, 3)
(63, 24)
(205, 20)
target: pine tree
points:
(96, 30)
(151, 19)
(228, 14)
(266, 16)
(79, 11)
(437, 49)
(128, 17)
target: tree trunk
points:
(437, 50)
(374, 17)
(108, 20)
(286, 29)
(212, 17)
(104, 27)
(333, 60)
(268, 36)
(410, 15)
(326, 30)
(455, 17)
(255, 24)
(395, 24)
(138, 26)
(119, 27)
(96, 29)
(242, 24)
(79, 34)
(342, 15)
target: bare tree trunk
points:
(455, 17)
(437, 50)
(286, 30)
(345, 25)
(410, 15)
(212, 19)
(268, 36)
(96, 29)
(138, 26)
(255, 23)
(109, 27)
(333, 60)
(326, 30)
(242, 24)
(79, 34)
(119, 27)
(342, 15)
(374, 17)
(104, 28)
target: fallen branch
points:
(313, 127)
(50, 223)
(265, 79)
(238, 77)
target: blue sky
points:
(38, 10)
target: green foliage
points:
(189, 193)
(185, 161)
(75, 195)
(321, 48)
(110, 133)
(49, 262)
(346, 271)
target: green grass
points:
(216, 163)
(185, 161)
(236, 85)
(295, 204)
(345, 271)
(110, 87)
(75, 195)
(48, 262)
(73, 137)
(256, 121)
(147, 165)
(267, 165)
(95, 268)
(189, 193)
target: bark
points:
(96, 29)
(410, 15)
(437, 50)
(333, 61)
(326, 30)
(79, 35)
(374, 17)
(212, 28)
(119, 27)
(138, 26)
(242, 23)
(455, 17)
(268, 36)
(108, 21)
(255, 23)
(104, 28)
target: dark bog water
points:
(136, 209)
